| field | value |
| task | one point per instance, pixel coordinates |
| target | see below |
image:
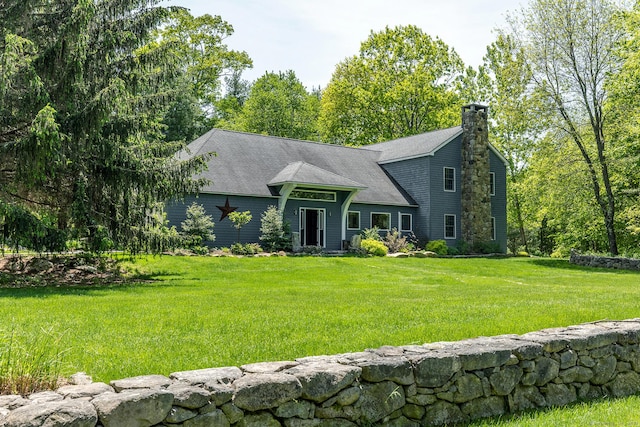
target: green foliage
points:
(374, 247)
(400, 84)
(82, 92)
(278, 105)
(156, 236)
(372, 233)
(438, 246)
(239, 220)
(245, 249)
(198, 225)
(276, 232)
(21, 228)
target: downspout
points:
(345, 210)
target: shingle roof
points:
(304, 173)
(416, 145)
(246, 163)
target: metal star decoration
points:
(226, 209)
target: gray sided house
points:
(447, 184)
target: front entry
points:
(312, 225)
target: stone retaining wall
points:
(416, 385)
(604, 262)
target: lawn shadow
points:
(564, 264)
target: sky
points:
(311, 37)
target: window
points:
(492, 183)
(449, 226)
(381, 220)
(493, 228)
(449, 179)
(353, 220)
(406, 222)
(327, 196)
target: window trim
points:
(492, 183)
(400, 215)
(444, 179)
(292, 195)
(493, 228)
(359, 220)
(455, 230)
(388, 214)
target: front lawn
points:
(208, 312)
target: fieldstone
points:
(625, 384)
(587, 361)
(568, 359)
(552, 340)
(133, 408)
(316, 422)
(348, 396)
(482, 353)
(379, 400)
(491, 406)
(412, 411)
(178, 414)
(87, 390)
(208, 376)
(44, 396)
(188, 396)
(559, 394)
(38, 265)
(320, 381)
(233, 413)
(396, 369)
(80, 378)
(13, 401)
(469, 387)
(142, 381)
(504, 381)
(262, 419)
(336, 412)
(422, 399)
(267, 367)
(220, 393)
(444, 413)
(435, 369)
(254, 392)
(210, 419)
(401, 422)
(526, 397)
(66, 413)
(546, 370)
(295, 408)
(604, 370)
(578, 374)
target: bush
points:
(374, 247)
(245, 249)
(197, 225)
(438, 246)
(371, 234)
(276, 233)
(395, 241)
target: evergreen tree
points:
(198, 224)
(275, 231)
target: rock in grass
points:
(76, 413)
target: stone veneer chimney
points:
(475, 222)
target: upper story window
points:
(449, 179)
(492, 183)
(353, 220)
(381, 220)
(326, 196)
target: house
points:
(447, 184)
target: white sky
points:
(311, 37)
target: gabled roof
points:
(410, 147)
(304, 173)
(249, 164)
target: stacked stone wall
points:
(604, 262)
(417, 385)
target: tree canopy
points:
(82, 148)
(401, 83)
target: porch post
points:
(284, 195)
(344, 210)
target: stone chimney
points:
(475, 221)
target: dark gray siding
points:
(445, 202)
(499, 200)
(225, 233)
(413, 176)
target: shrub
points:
(374, 247)
(197, 225)
(240, 219)
(245, 249)
(372, 233)
(395, 241)
(276, 233)
(438, 246)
